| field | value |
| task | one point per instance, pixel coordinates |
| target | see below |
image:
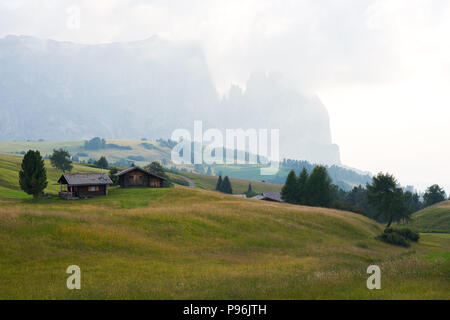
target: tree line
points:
(224, 185)
(382, 199)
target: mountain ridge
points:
(56, 90)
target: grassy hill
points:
(9, 176)
(123, 152)
(10, 166)
(183, 243)
(239, 185)
(433, 219)
(146, 150)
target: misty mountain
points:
(269, 102)
(64, 91)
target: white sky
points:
(381, 67)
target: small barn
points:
(84, 185)
(269, 196)
(138, 177)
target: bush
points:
(408, 234)
(399, 237)
(394, 238)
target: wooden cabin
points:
(84, 185)
(138, 177)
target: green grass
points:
(113, 155)
(131, 198)
(9, 176)
(433, 219)
(10, 166)
(183, 243)
(239, 186)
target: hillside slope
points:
(433, 219)
(9, 176)
(10, 166)
(184, 243)
(239, 186)
(146, 88)
(125, 152)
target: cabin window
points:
(93, 188)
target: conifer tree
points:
(388, 200)
(318, 188)
(226, 186)
(219, 184)
(289, 190)
(301, 187)
(33, 175)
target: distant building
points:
(269, 196)
(240, 196)
(138, 177)
(84, 185)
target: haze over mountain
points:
(64, 91)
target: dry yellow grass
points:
(186, 243)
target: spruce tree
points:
(219, 184)
(289, 190)
(33, 175)
(250, 192)
(318, 188)
(226, 186)
(301, 187)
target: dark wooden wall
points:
(137, 178)
(83, 191)
(156, 182)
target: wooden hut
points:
(84, 185)
(138, 177)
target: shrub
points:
(399, 237)
(394, 238)
(408, 234)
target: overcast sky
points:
(381, 67)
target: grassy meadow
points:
(183, 243)
(74, 147)
(239, 185)
(433, 219)
(9, 176)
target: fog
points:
(381, 68)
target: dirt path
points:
(189, 181)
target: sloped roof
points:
(137, 168)
(258, 197)
(128, 170)
(273, 196)
(85, 179)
